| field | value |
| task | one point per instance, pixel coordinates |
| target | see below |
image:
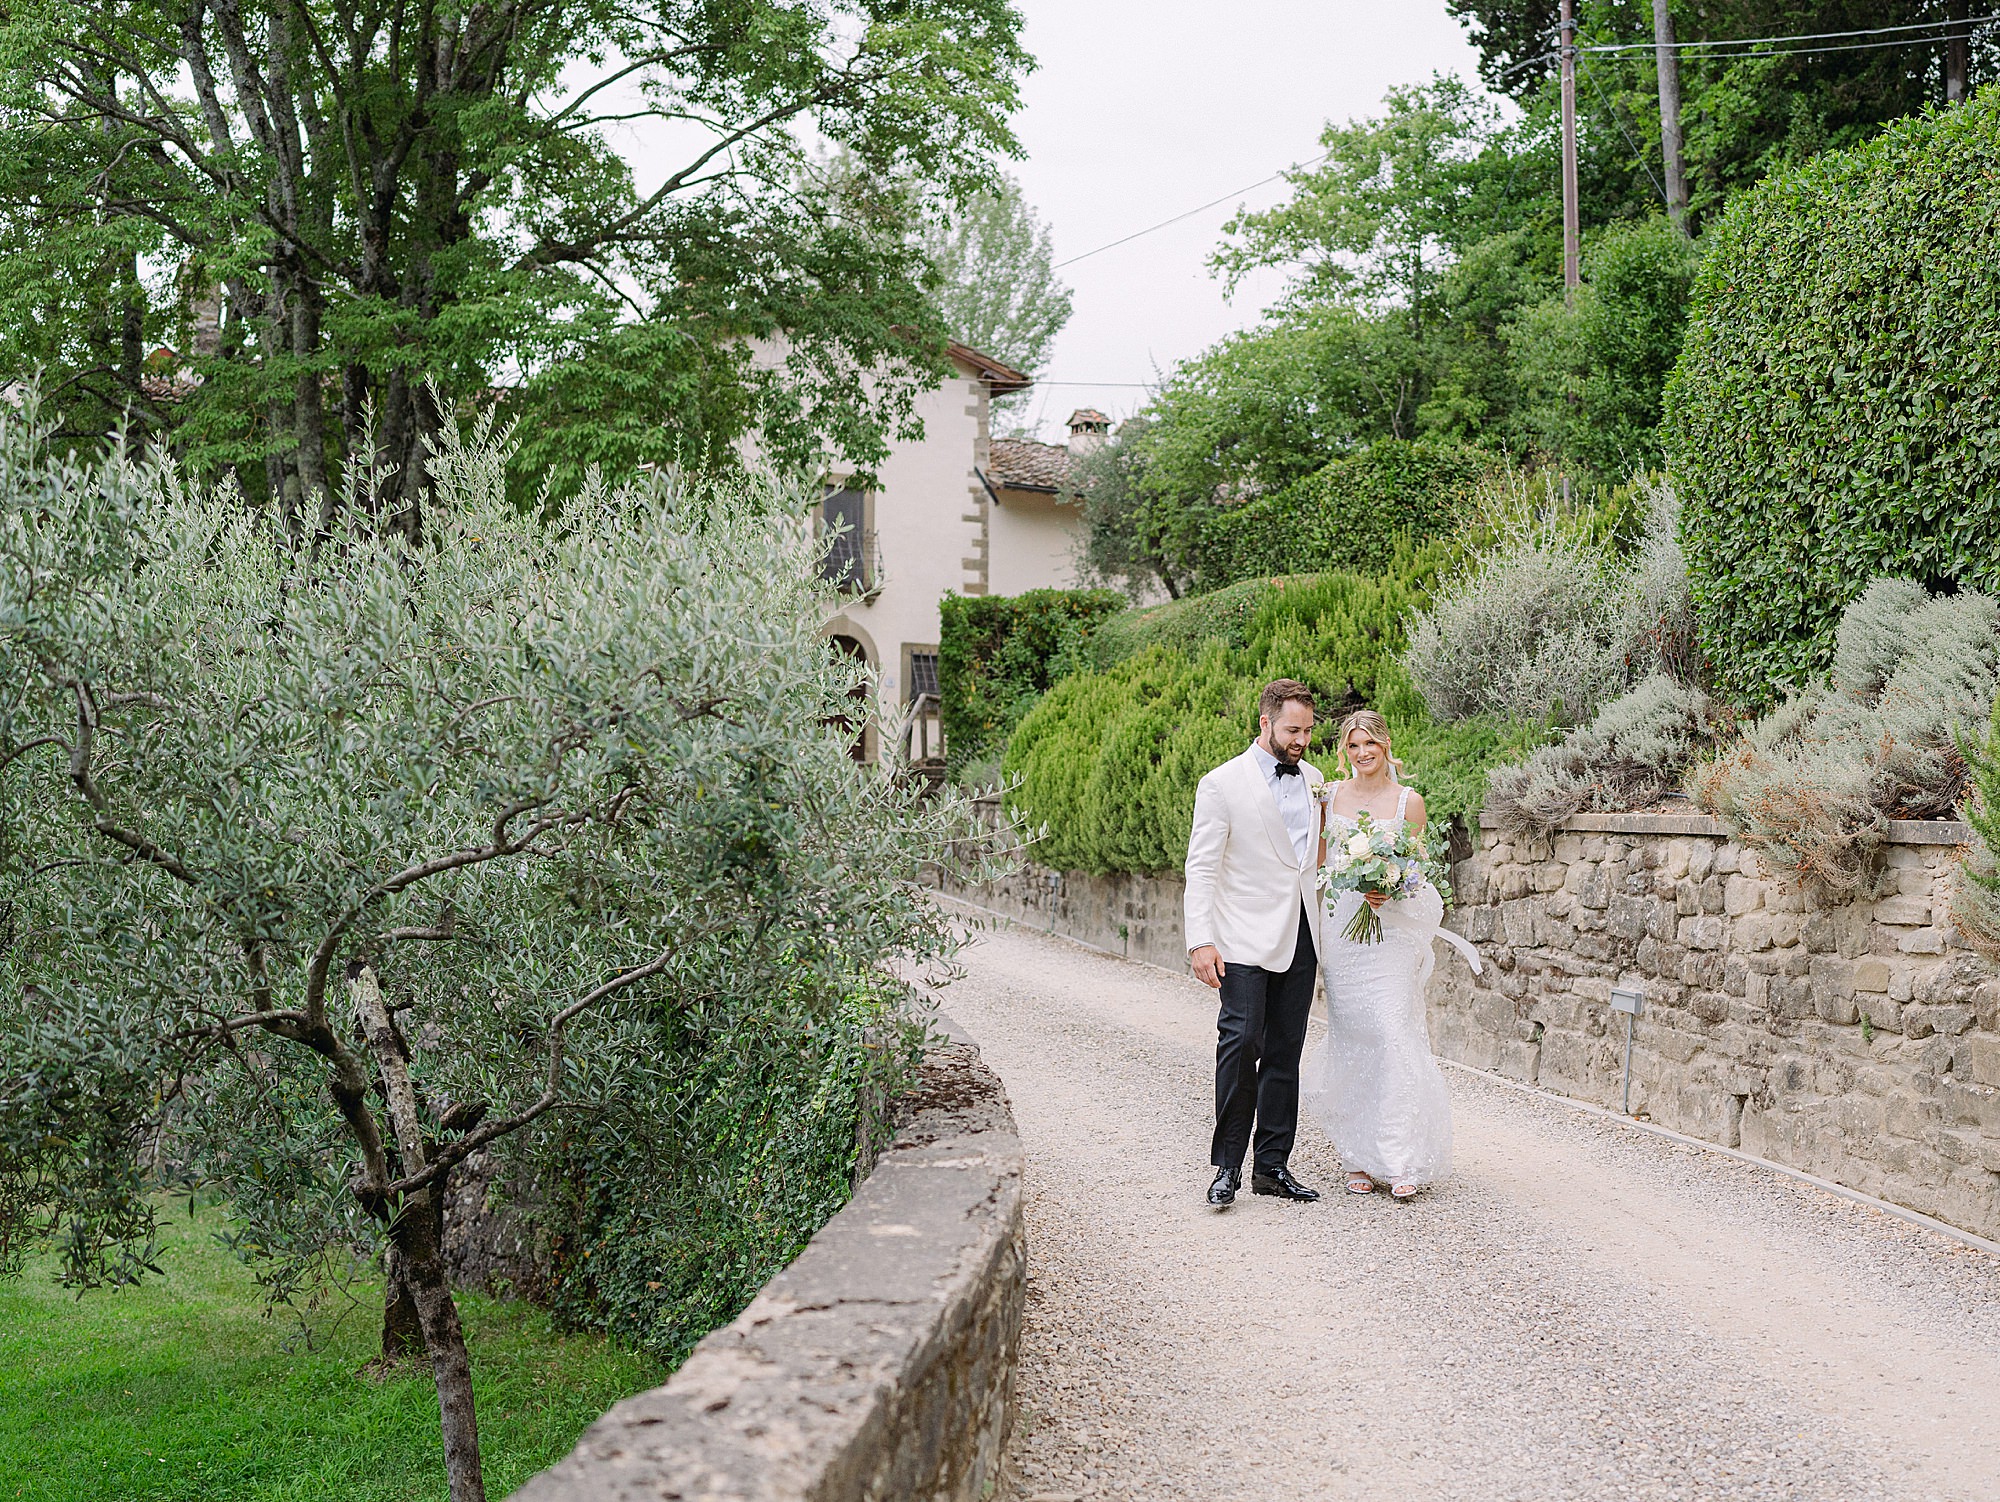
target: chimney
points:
(1089, 429)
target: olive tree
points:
(321, 874)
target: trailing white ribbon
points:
(1422, 917)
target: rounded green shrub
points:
(1349, 515)
(1835, 413)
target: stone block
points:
(1627, 917)
(1728, 858)
(1700, 858)
(1871, 974)
(1740, 895)
(1709, 1006)
(1709, 896)
(1687, 898)
(1922, 941)
(1593, 888)
(1951, 1019)
(1706, 932)
(1735, 975)
(1511, 882)
(1838, 1009)
(1752, 933)
(1831, 973)
(1782, 899)
(1548, 877)
(1704, 969)
(1517, 919)
(1816, 933)
(1748, 864)
(1902, 980)
(1959, 979)
(1786, 924)
(1852, 932)
(1482, 924)
(1914, 882)
(1903, 911)
(1935, 1057)
(1791, 997)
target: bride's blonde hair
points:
(1378, 730)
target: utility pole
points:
(1572, 268)
(1669, 66)
(1957, 54)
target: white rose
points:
(1358, 846)
(1393, 876)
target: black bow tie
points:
(1287, 769)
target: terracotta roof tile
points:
(1026, 465)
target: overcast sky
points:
(1141, 109)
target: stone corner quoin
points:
(1860, 1043)
(879, 1364)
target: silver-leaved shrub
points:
(325, 868)
(1815, 783)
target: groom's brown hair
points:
(1271, 703)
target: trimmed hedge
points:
(1348, 515)
(1108, 760)
(998, 654)
(1835, 414)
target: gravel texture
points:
(1581, 1311)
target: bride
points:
(1374, 1086)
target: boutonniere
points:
(1317, 790)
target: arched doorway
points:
(854, 725)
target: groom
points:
(1252, 926)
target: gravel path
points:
(1582, 1311)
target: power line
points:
(1203, 208)
(1810, 36)
(1946, 31)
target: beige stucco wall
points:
(929, 528)
(1033, 543)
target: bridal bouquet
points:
(1394, 862)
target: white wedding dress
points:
(1373, 1085)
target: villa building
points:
(956, 512)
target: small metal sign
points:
(1627, 999)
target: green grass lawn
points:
(184, 1388)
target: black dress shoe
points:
(1227, 1182)
(1279, 1181)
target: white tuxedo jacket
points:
(1245, 885)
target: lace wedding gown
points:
(1373, 1086)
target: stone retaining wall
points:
(1860, 1043)
(878, 1366)
(1137, 917)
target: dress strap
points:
(1403, 803)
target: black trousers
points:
(1259, 1036)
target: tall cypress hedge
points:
(1835, 413)
(998, 654)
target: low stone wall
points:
(1137, 917)
(878, 1366)
(1860, 1043)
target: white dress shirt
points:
(1295, 805)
